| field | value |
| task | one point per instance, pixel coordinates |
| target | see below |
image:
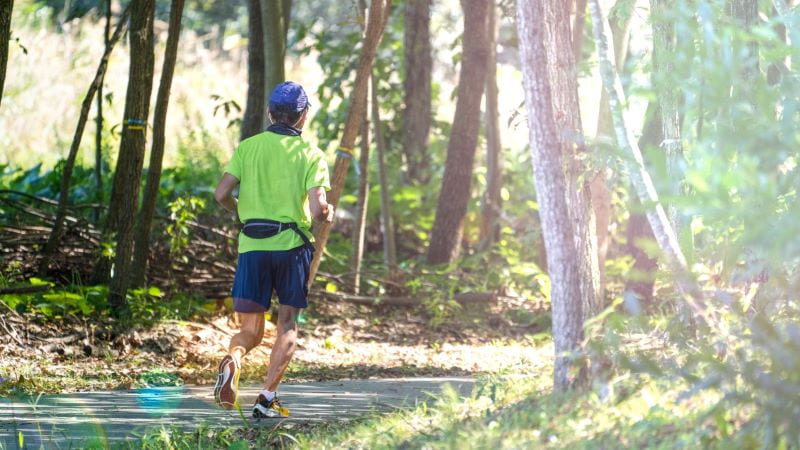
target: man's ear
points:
(269, 116)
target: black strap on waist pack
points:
(264, 228)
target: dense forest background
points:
(617, 179)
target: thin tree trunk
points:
(577, 29)
(389, 245)
(6, 7)
(255, 109)
(360, 223)
(492, 201)
(454, 195)
(417, 115)
(640, 178)
(601, 195)
(127, 177)
(275, 16)
(54, 240)
(552, 190)
(378, 15)
(98, 136)
(141, 253)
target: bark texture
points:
(552, 185)
(563, 76)
(127, 177)
(275, 16)
(418, 64)
(454, 194)
(6, 7)
(54, 240)
(142, 249)
(492, 201)
(376, 22)
(255, 108)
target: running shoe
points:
(269, 408)
(226, 390)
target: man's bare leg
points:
(285, 345)
(226, 390)
(250, 334)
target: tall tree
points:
(492, 200)
(142, 240)
(6, 7)
(255, 109)
(563, 75)
(389, 246)
(54, 240)
(552, 189)
(360, 222)
(376, 22)
(417, 115)
(98, 131)
(127, 177)
(454, 195)
(275, 16)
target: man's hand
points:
(331, 214)
(321, 210)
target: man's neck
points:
(286, 130)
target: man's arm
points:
(319, 206)
(224, 192)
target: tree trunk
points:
(275, 15)
(54, 240)
(577, 29)
(492, 201)
(127, 177)
(640, 178)
(454, 195)
(255, 110)
(601, 196)
(98, 136)
(360, 223)
(564, 95)
(6, 7)
(142, 245)
(552, 188)
(378, 15)
(389, 245)
(417, 85)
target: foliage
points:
(182, 211)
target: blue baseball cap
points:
(288, 97)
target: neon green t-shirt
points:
(275, 173)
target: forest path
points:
(80, 419)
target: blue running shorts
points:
(259, 273)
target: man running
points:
(282, 181)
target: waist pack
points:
(264, 228)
